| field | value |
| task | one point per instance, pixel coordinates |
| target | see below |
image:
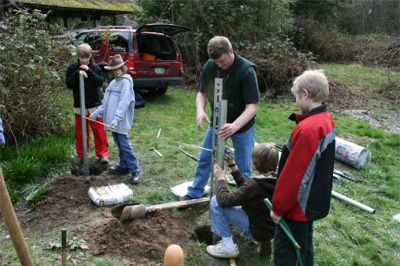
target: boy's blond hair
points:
(84, 50)
(313, 81)
(265, 157)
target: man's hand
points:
(199, 119)
(227, 130)
(275, 217)
(201, 102)
(219, 173)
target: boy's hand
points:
(219, 173)
(83, 73)
(275, 217)
(84, 67)
(229, 158)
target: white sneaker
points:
(220, 251)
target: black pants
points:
(284, 250)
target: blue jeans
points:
(243, 143)
(127, 157)
(221, 218)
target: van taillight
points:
(130, 64)
(181, 64)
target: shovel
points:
(129, 212)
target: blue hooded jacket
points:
(118, 105)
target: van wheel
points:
(161, 90)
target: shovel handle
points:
(7, 210)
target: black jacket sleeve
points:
(72, 76)
(95, 74)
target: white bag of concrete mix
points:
(351, 153)
(110, 195)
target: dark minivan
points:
(154, 59)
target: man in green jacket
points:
(240, 89)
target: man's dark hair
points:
(217, 46)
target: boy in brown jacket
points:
(245, 207)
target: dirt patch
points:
(66, 205)
(143, 241)
(65, 202)
(354, 104)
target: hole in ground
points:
(203, 234)
(95, 168)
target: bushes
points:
(31, 74)
(278, 62)
(329, 44)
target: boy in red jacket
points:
(304, 185)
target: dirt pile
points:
(66, 204)
(140, 242)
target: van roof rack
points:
(114, 27)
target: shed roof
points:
(78, 8)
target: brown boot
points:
(264, 248)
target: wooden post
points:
(14, 229)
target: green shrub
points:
(31, 74)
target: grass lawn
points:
(348, 236)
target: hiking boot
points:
(135, 179)
(220, 251)
(264, 248)
(118, 170)
(186, 197)
(104, 160)
(78, 161)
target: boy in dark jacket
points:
(93, 80)
(304, 185)
(245, 207)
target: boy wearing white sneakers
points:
(245, 207)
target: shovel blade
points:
(116, 211)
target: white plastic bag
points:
(181, 190)
(351, 153)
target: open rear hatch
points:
(168, 29)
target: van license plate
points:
(159, 70)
